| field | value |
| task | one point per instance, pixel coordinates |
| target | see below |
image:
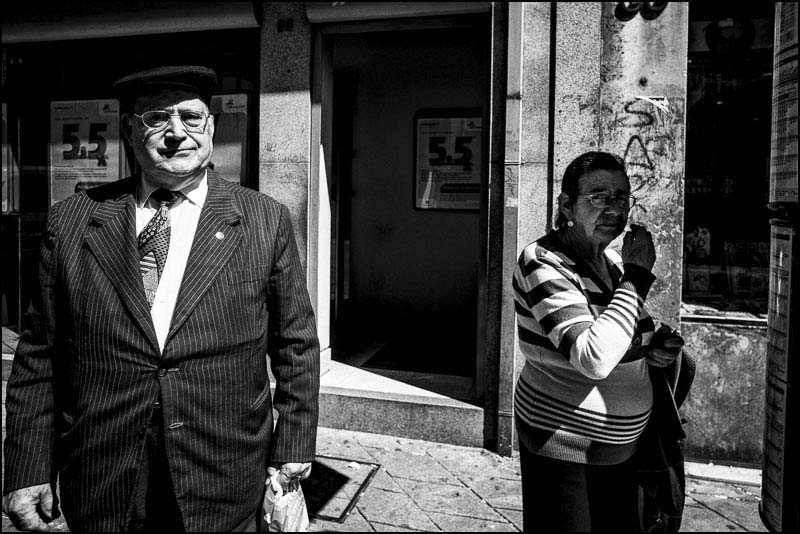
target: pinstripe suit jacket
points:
(84, 382)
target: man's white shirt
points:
(183, 218)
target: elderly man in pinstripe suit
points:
(146, 389)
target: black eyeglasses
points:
(193, 121)
(604, 200)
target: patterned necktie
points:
(154, 243)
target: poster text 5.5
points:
(443, 158)
(78, 151)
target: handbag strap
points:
(683, 382)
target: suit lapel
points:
(217, 237)
(111, 238)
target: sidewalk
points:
(375, 482)
(426, 486)
(429, 486)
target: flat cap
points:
(201, 80)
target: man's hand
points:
(289, 475)
(31, 508)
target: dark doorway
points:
(404, 301)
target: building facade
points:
(419, 146)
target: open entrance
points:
(405, 261)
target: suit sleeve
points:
(29, 439)
(293, 348)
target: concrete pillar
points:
(528, 179)
(525, 189)
(643, 118)
(289, 162)
(621, 87)
(536, 119)
(496, 341)
(578, 49)
(589, 80)
(509, 195)
(285, 112)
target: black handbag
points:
(659, 460)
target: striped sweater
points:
(584, 394)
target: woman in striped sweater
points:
(584, 395)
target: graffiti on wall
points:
(652, 125)
(642, 110)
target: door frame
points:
(487, 315)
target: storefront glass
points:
(50, 89)
(726, 226)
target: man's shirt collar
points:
(195, 193)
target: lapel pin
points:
(219, 235)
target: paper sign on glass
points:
(84, 146)
(447, 169)
(230, 136)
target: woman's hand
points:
(638, 248)
(665, 347)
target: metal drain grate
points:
(335, 486)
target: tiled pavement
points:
(432, 486)
(426, 486)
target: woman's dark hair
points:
(583, 164)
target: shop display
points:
(726, 221)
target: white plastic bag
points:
(285, 511)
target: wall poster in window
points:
(84, 146)
(10, 170)
(230, 136)
(783, 239)
(783, 161)
(784, 251)
(447, 159)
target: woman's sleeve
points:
(548, 301)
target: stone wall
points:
(620, 86)
(725, 407)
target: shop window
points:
(726, 224)
(35, 75)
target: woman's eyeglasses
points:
(193, 121)
(604, 200)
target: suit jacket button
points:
(162, 372)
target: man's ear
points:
(126, 128)
(211, 126)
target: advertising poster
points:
(772, 477)
(775, 415)
(778, 319)
(230, 136)
(447, 169)
(10, 170)
(783, 156)
(84, 146)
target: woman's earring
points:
(570, 224)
